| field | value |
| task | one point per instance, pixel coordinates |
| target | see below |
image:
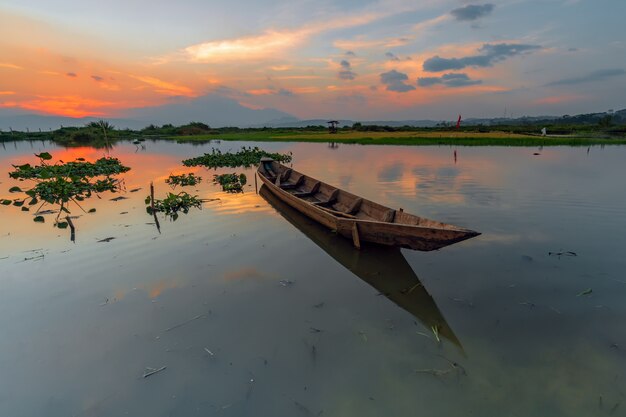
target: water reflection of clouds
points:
(391, 173)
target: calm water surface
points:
(255, 311)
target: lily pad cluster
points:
(174, 203)
(231, 183)
(64, 182)
(183, 180)
(246, 157)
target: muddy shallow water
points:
(253, 310)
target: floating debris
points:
(527, 303)
(411, 289)
(106, 240)
(34, 258)
(151, 371)
(435, 330)
(586, 292)
(562, 253)
(209, 352)
(303, 409)
(434, 372)
(119, 198)
(454, 367)
(185, 322)
(285, 282)
(134, 190)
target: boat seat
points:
(290, 185)
(268, 169)
(313, 190)
(330, 200)
(354, 206)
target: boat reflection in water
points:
(383, 267)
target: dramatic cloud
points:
(273, 42)
(448, 80)
(396, 81)
(164, 87)
(97, 78)
(489, 55)
(472, 12)
(599, 75)
(391, 56)
(346, 72)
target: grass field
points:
(460, 138)
(74, 137)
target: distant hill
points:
(36, 122)
(217, 111)
(212, 109)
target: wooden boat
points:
(356, 217)
(382, 267)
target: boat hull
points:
(390, 234)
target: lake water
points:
(255, 311)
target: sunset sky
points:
(364, 60)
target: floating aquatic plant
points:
(231, 183)
(64, 182)
(173, 203)
(246, 157)
(183, 180)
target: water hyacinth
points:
(246, 157)
(174, 203)
(65, 182)
(232, 183)
(183, 180)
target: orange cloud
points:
(164, 87)
(271, 43)
(6, 93)
(253, 47)
(261, 92)
(72, 106)
(9, 65)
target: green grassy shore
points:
(103, 134)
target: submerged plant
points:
(245, 157)
(183, 180)
(231, 183)
(63, 183)
(173, 203)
